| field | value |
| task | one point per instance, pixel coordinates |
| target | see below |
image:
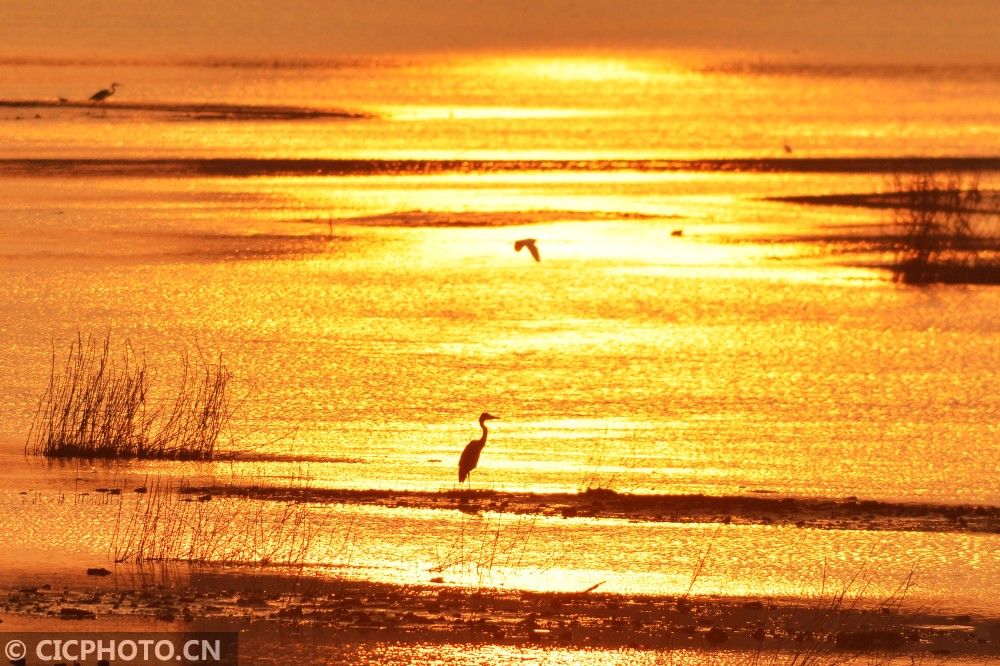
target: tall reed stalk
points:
(98, 405)
(166, 524)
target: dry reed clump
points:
(165, 524)
(98, 405)
(941, 231)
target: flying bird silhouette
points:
(102, 95)
(470, 455)
(530, 244)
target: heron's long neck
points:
(482, 424)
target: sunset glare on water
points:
(258, 282)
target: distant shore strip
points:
(190, 111)
(255, 167)
(764, 508)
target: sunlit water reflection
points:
(684, 363)
(681, 333)
(953, 572)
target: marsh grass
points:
(942, 234)
(846, 625)
(99, 404)
(167, 524)
(486, 546)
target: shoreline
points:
(211, 167)
(193, 111)
(849, 513)
(297, 609)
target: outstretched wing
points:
(530, 244)
(534, 251)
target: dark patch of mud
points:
(289, 615)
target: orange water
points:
(375, 315)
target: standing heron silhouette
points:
(102, 95)
(470, 455)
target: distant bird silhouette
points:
(530, 244)
(677, 233)
(102, 95)
(788, 149)
(470, 455)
